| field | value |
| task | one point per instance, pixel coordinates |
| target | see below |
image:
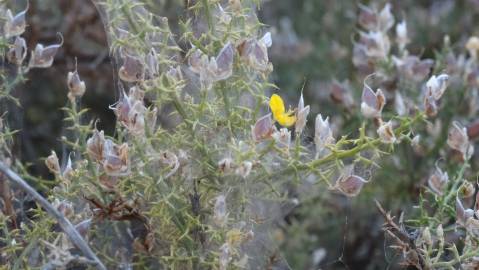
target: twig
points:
(64, 223)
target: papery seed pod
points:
(95, 145)
(42, 57)
(263, 128)
(15, 25)
(301, 116)
(385, 18)
(386, 133)
(349, 184)
(458, 140)
(52, 163)
(220, 215)
(323, 134)
(244, 169)
(116, 161)
(401, 35)
(438, 180)
(18, 52)
(282, 137)
(436, 86)
(372, 104)
(226, 165)
(76, 86)
(221, 66)
(132, 69)
(467, 189)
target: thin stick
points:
(65, 224)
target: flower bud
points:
(18, 52)
(372, 104)
(386, 133)
(263, 128)
(42, 57)
(15, 25)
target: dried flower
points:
(436, 86)
(282, 137)
(244, 169)
(385, 18)
(131, 111)
(263, 128)
(348, 183)
(375, 44)
(438, 180)
(15, 25)
(171, 160)
(323, 134)
(255, 52)
(52, 163)
(95, 146)
(386, 133)
(472, 46)
(301, 116)
(225, 256)
(284, 118)
(458, 140)
(467, 189)
(372, 104)
(214, 69)
(341, 93)
(132, 69)
(18, 52)
(367, 17)
(116, 161)
(76, 86)
(226, 165)
(462, 215)
(42, 57)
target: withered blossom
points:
(64, 207)
(399, 104)
(76, 86)
(385, 18)
(416, 145)
(438, 180)
(462, 215)
(226, 165)
(386, 133)
(214, 69)
(244, 169)
(263, 128)
(220, 215)
(367, 17)
(412, 67)
(152, 64)
(436, 86)
(53, 163)
(374, 44)
(132, 113)
(255, 52)
(15, 25)
(341, 94)
(116, 161)
(458, 140)
(348, 183)
(225, 256)
(282, 137)
(18, 52)
(169, 159)
(323, 134)
(372, 104)
(472, 46)
(301, 116)
(467, 189)
(42, 57)
(132, 69)
(95, 146)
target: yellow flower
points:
(283, 117)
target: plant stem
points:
(64, 223)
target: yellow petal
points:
(276, 105)
(284, 119)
